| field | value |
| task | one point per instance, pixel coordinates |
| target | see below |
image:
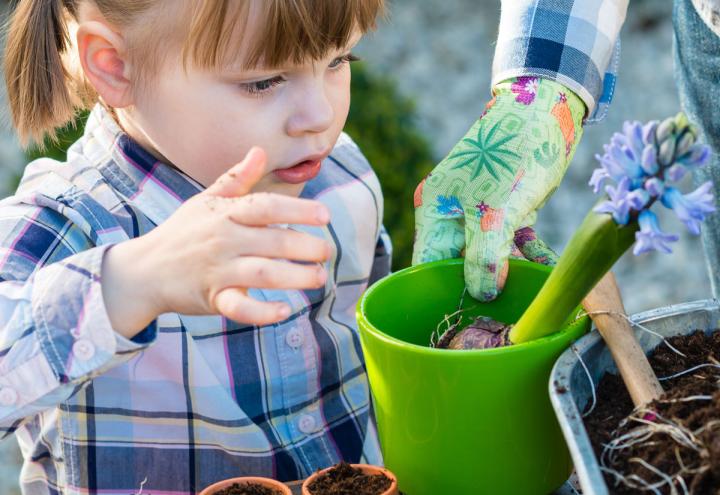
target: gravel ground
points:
(440, 53)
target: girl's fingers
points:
(267, 208)
(264, 273)
(281, 243)
(241, 178)
(235, 304)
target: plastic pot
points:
(477, 421)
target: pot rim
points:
(266, 482)
(366, 468)
(581, 319)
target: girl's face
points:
(204, 122)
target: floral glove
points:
(484, 195)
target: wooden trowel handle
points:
(634, 367)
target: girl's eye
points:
(261, 87)
(340, 61)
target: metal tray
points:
(570, 391)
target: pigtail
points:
(38, 84)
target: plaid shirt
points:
(191, 399)
(573, 42)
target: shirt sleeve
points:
(382, 261)
(573, 42)
(55, 334)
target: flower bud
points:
(676, 172)
(681, 122)
(684, 143)
(638, 198)
(666, 156)
(649, 160)
(665, 130)
(648, 132)
(654, 186)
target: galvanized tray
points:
(570, 391)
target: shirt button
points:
(8, 396)
(306, 423)
(83, 349)
(294, 338)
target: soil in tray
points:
(247, 489)
(691, 401)
(343, 479)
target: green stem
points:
(597, 244)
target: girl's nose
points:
(314, 112)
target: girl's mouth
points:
(302, 172)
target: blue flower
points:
(644, 160)
(638, 199)
(450, 206)
(676, 172)
(648, 131)
(649, 161)
(650, 237)
(599, 176)
(620, 202)
(690, 208)
(654, 186)
(697, 156)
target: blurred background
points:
(424, 80)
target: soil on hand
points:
(675, 439)
(247, 489)
(343, 479)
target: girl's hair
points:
(46, 86)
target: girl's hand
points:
(216, 246)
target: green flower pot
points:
(462, 422)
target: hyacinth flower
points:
(638, 169)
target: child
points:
(153, 333)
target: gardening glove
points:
(484, 195)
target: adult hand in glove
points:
(483, 197)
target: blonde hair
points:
(45, 89)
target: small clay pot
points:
(366, 469)
(266, 482)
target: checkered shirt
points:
(573, 42)
(191, 399)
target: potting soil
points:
(247, 489)
(343, 479)
(686, 453)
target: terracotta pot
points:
(366, 469)
(266, 482)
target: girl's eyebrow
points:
(236, 70)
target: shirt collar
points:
(157, 188)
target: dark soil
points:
(247, 489)
(691, 460)
(343, 479)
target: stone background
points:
(439, 52)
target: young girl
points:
(171, 312)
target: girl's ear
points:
(103, 56)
